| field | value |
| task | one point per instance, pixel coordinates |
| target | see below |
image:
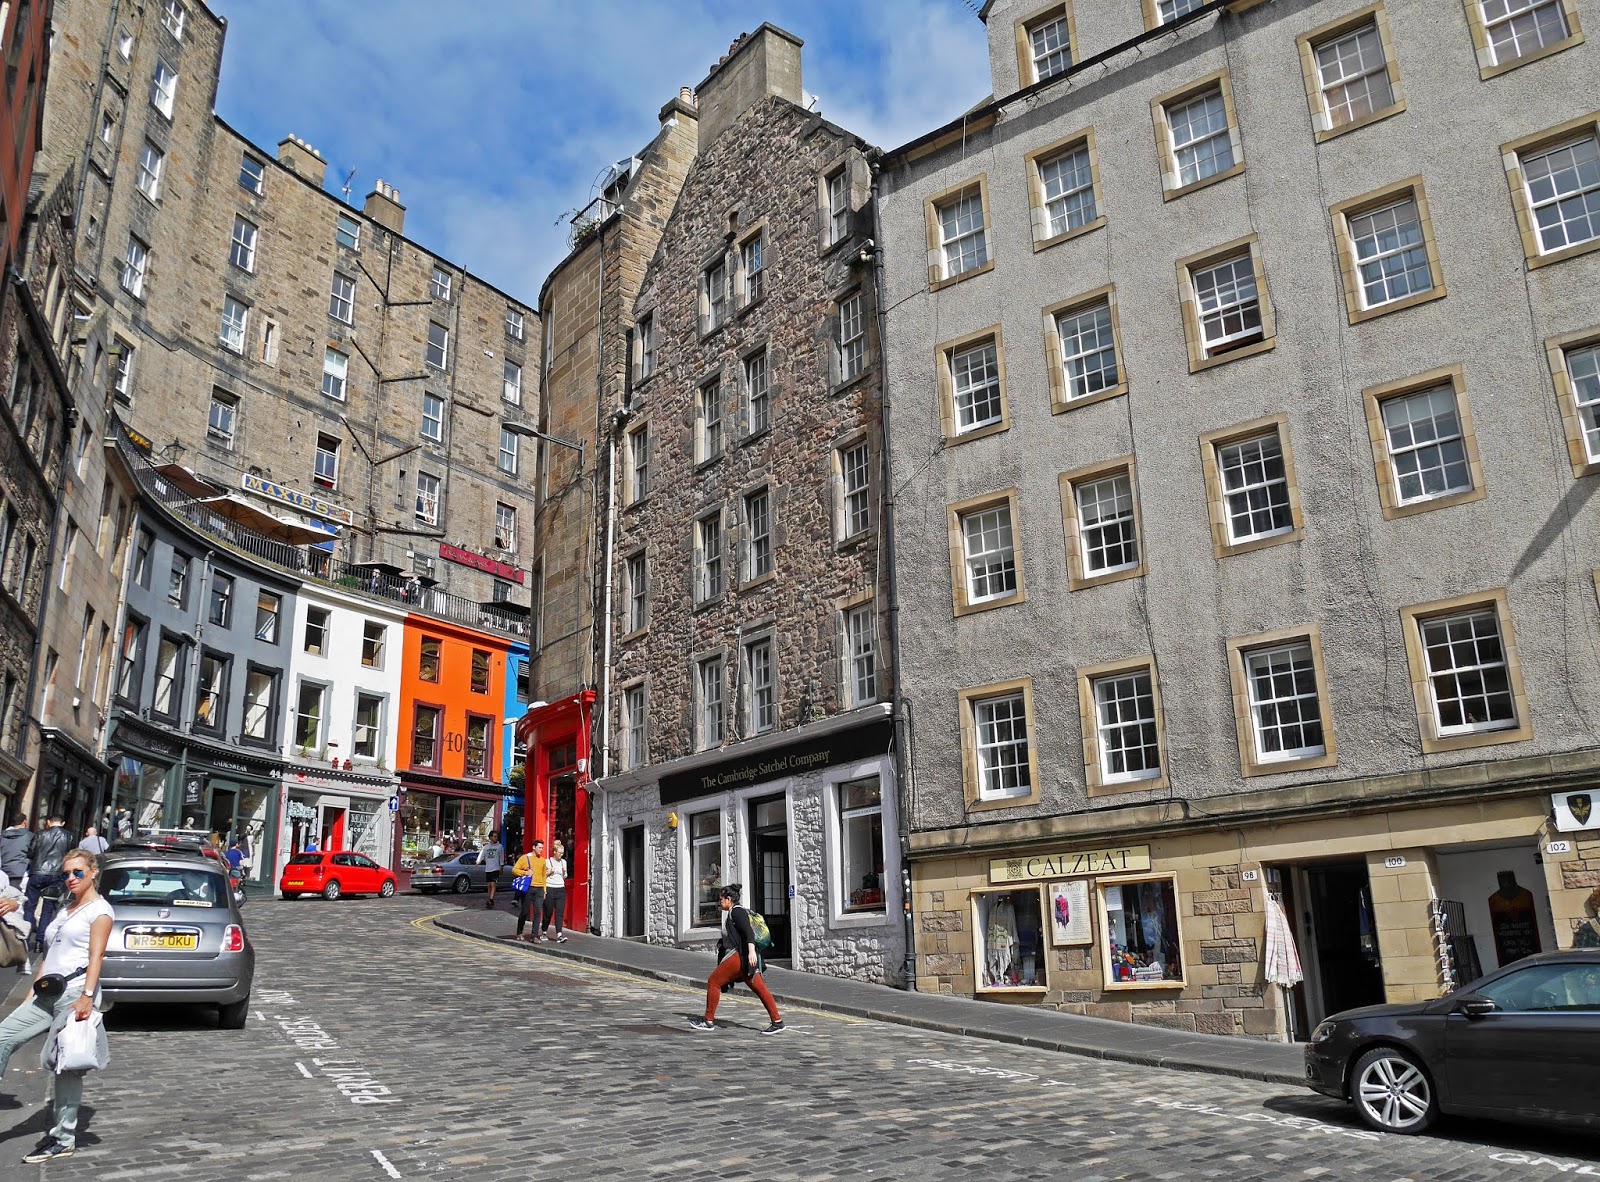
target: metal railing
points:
(310, 564)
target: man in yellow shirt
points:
(530, 866)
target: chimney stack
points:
(383, 206)
(758, 66)
(680, 107)
(295, 154)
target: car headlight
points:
(1324, 1031)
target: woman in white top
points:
(77, 945)
(555, 890)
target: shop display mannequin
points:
(1000, 939)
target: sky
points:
(496, 118)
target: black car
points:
(1519, 1044)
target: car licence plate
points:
(292, 882)
(161, 941)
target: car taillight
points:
(233, 938)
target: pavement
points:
(1029, 1026)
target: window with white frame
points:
(308, 716)
(511, 384)
(252, 174)
(1517, 28)
(991, 563)
(1088, 350)
(177, 574)
(708, 421)
(148, 179)
(861, 846)
(1125, 727)
(268, 606)
(638, 464)
(637, 591)
(705, 860)
(1468, 675)
(1000, 728)
(427, 509)
(223, 415)
(326, 472)
(1171, 10)
(761, 687)
(855, 478)
(433, 418)
(342, 298)
(1049, 45)
(1391, 255)
(1563, 187)
(242, 250)
(851, 340)
(134, 261)
(757, 535)
(861, 644)
(368, 736)
(169, 677)
(646, 333)
(1201, 145)
(975, 386)
(211, 691)
(1583, 371)
(1067, 184)
(235, 322)
(108, 128)
(714, 295)
(514, 328)
(439, 285)
(1285, 705)
(838, 205)
(1427, 450)
(347, 232)
(163, 88)
(438, 351)
(1108, 534)
(708, 557)
(335, 371)
(508, 458)
(963, 240)
(1353, 74)
(752, 260)
(633, 727)
(314, 639)
(710, 718)
(172, 18)
(505, 526)
(1227, 303)
(1255, 487)
(757, 394)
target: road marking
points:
(303, 1070)
(259, 1016)
(388, 1166)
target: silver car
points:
(454, 872)
(177, 937)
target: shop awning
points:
(186, 481)
(243, 513)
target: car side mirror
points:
(1475, 1005)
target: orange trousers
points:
(727, 973)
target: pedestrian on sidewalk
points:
(555, 891)
(738, 959)
(46, 880)
(77, 943)
(93, 842)
(492, 857)
(531, 867)
(16, 850)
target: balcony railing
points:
(310, 564)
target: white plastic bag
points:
(77, 1044)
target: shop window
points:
(480, 671)
(705, 852)
(1139, 927)
(861, 845)
(1009, 938)
(477, 763)
(428, 662)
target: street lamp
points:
(530, 433)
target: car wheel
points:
(231, 1017)
(387, 889)
(332, 890)
(462, 884)
(291, 894)
(1392, 1092)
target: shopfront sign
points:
(1576, 811)
(295, 499)
(861, 742)
(490, 566)
(1113, 859)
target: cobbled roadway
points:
(460, 1059)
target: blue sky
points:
(495, 117)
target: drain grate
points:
(554, 980)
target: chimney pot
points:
(383, 206)
(298, 156)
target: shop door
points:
(1337, 905)
(633, 881)
(768, 893)
(332, 829)
(223, 803)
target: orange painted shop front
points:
(449, 721)
(556, 784)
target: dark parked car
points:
(1519, 1044)
(454, 872)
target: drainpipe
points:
(902, 705)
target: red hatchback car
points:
(332, 875)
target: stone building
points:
(749, 684)
(586, 310)
(1244, 448)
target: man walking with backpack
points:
(45, 879)
(738, 959)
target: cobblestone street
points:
(380, 1047)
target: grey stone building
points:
(749, 682)
(1244, 441)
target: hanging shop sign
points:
(1116, 859)
(1576, 811)
(294, 498)
(860, 742)
(489, 566)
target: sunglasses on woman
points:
(78, 873)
